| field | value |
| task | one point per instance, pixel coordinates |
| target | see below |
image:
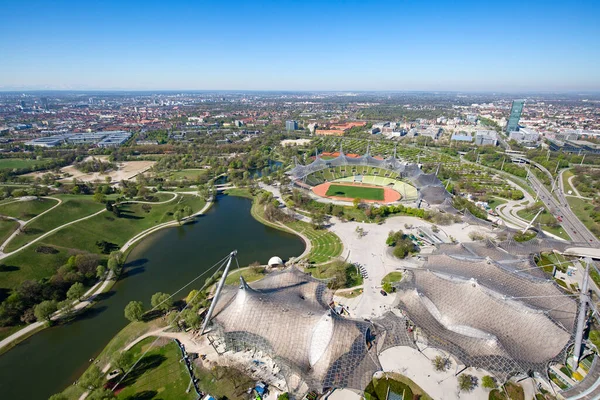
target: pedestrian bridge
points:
(591, 252)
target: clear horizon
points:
(389, 46)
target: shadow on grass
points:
(147, 363)
(8, 268)
(150, 315)
(145, 395)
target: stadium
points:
(345, 177)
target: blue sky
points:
(300, 45)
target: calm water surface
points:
(52, 359)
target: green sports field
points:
(353, 192)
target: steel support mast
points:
(218, 292)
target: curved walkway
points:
(4, 255)
(23, 223)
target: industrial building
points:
(102, 139)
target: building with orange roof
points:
(348, 125)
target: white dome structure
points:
(275, 262)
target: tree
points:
(76, 291)
(387, 287)
(191, 318)
(161, 301)
(134, 311)
(92, 378)
(58, 396)
(114, 266)
(195, 297)
(188, 211)
(441, 363)
(466, 382)
(318, 219)
(122, 360)
(99, 197)
(66, 306)
(356, 202)
(100, 271)
(177, 215)
(45, 309)
(284, 396)
(488, 382)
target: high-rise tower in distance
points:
(515, 115)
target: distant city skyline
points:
(538, 46)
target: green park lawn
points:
(251, 274)
(106, 226)
(392, 277)
(189, 174)
(29, 264)
(158, 372)
(335, 268)
(12, 163)
(73, 207)
(26, 210)
(355, 192)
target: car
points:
(383, 292)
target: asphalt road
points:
(560, 207)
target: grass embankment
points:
(583, 209)
(159, 373)
(396, 383)
(548, 222)
(239, 192)
(250, 274)
(392, 277)
(355, 192)
(26, 210)
(326, 245)
(73, 207)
